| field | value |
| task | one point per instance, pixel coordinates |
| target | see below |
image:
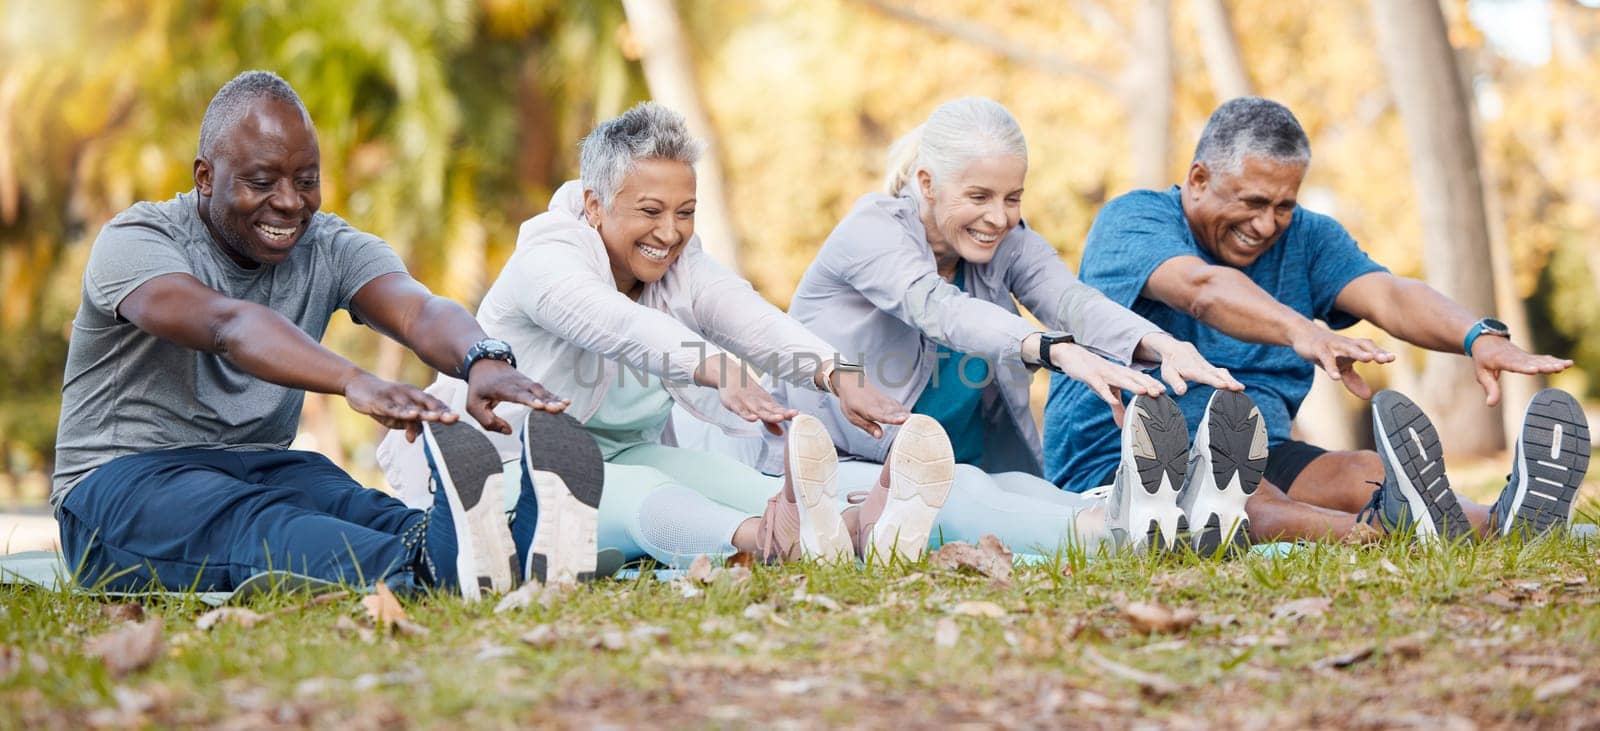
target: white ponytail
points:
(958, 132)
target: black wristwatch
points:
(491, 348)
(1048, 340)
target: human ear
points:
(1199, 177)
(925, 183)
(591, 208)
(202, 177)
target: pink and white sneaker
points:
(898, 513)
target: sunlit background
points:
(445, 123)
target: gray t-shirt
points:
(126, 391)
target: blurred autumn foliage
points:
(445, 123)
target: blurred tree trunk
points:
(1436, 112)
(667, 57)
(1148, 92)
(1224, 63)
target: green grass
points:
(1489, 633)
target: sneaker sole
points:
(1552, 459)
(922, 466)
(567, 473)
(1157, 440)
(469, 473)
(1232, 440)
(1410, 443)
(813, 474)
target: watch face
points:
(492, 346)
(1495, 326)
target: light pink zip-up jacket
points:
(557, 305)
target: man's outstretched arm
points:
(181, 309)
(440, 332)
(1225, 299)
(1419, 314)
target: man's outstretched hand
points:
(491, 381)
(395, 405)
(1491, 355)
(1337, 355)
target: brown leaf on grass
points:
(122, 612)
(742, 559)
(1500, 600)
(13, 659)
(545, 594)
(1411, 646)
(979, 609)
(1151, 683)
(699, 570)
(131, 647)
(348, 626)
(383, 608)
(1543, 661)
(541, 637)
(1155, 617)
(1575, 581)
(1559, 687)
(1311, 606)
(1344, 659)
(612, 640)
(990, 558)
(946, 632)
(228, 615)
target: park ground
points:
(1491, 635)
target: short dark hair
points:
(1251, 126)
(231, 101)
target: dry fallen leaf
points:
(1155, 617)
(230, 615)
(1151, 683)
(612, 640)
(1411, 646)
(1344, 659)
(946, 632)
(541, 637)
(122, 612)
(979, 609)
(699, 570)
(383, 608)
(649, 634)
(348, 626)
(990, 558)
(1312, 606)
(1558, 687)
(741, 560)
(133, 646)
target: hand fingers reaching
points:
(1490, 381)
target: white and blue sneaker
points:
(1226, 462)
(1142, 511)
(556, 520)
(467, 545)
(1552, 458)
(1415, 495)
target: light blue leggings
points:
(674, 504)
(1027, 513)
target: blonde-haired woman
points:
(921, 282)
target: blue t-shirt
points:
(1306, 269)
(954, 394)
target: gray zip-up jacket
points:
(874, 292)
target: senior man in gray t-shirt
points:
(195, 341)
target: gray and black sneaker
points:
(1552, 458)
(1143, 513)
(1415, 495)
(1226, 461)
(556, 520)
(468, 546)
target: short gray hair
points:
(1250, 126)
(235, 97)
(648, 131)
(957, 133)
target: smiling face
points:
(648, 222)
(968, 215)
(261, 183)
(1237, 216)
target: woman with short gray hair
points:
(922, 281)
(611, 300)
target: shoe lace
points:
(1372, 514)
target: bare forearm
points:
(1420, 315)
(266, 345)
(441, 333)
(1227, 300)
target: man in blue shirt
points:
(1229, 262)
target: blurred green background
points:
(445, 123)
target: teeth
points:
(983, 238)
(275, 233)
(1248, 242)
(653, 253)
